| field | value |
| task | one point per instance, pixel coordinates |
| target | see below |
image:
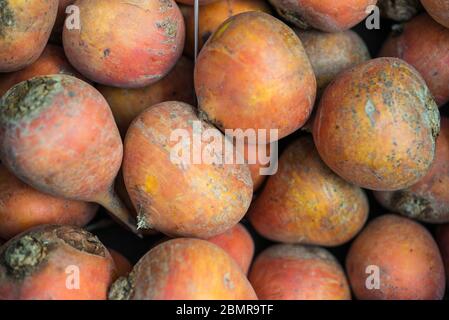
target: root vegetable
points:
(58, 135)
(376, 125)
(184, 269)
(55, 263)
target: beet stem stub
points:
(24, 255)
(111, 202)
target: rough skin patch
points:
(121, 289)
(169, 27)
(81, 240)
(6, 17)
(26, 99)
(24, 256)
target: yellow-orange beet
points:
(295, 272)
(238, 243)
(58, 135)
(212, 15)
(25, 27)
(438, 9)
(22, 207)
(376, 125)
(55, 263)
(305, 202)
(257, 52)
(126, 104)
(413, 42)
(325, 15)
(428, 199)
(332, 53)
(184, 269)
(125, 44)
(51, 61)
(395, 258)
(172, 190)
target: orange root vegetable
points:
(325, 15)
(22, 207)
(376, 125)
(212, 15)
(112, 49)
(443, 242)
(52, 61)
(427, 200)
(25, 27)
(58, 135)
(295, 272)
(414, 42)
(332, 53)
(438, 9)
(55, 263)
(305, 202)
(171, 190)
(126, 104)
(399, 10)
(184, 269)
(255, 51)
(122, 265)
(395, 258)
(238, 243)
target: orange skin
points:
(294, 272)
(442, 236)
(64, 247)
(238, 243)
(68, 145)
(146, 41)
(185, 269)
(427, 200)
(22, 207)
(254, 168)
(384, 102)
(212, 15)
(332, 53)
(255, 51)
(25, 27)
(188, 199)
(305, 202)
(410, 265)
(438, 9)
(126, 104)
(419, 37)
(52, 61)
(325, 15)
(122, 265)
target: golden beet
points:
(184, 269)
(376, 125)
(174, 191)
(53, 262)
(305, 202)
(395, 258)
(294, 272)
(259, 53)
(438, 9)
(125, 44)
(325, 15)
(25, 27)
